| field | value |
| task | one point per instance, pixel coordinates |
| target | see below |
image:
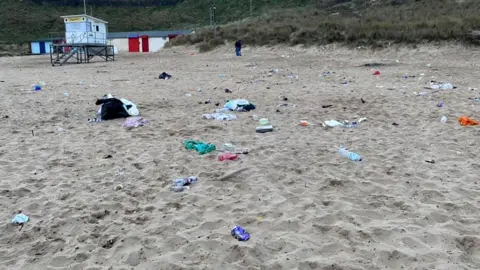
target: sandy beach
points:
(304, 205)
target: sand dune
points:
(305, 206)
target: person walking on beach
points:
(238, 48)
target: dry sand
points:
(305, 206)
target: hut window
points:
(98, 28)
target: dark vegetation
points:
(268, 22)
(358, 23)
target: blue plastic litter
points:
(20, 219)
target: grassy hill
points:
(369, 23)
(359, 22)
(24, 20)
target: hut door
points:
(42, 47)
(133, 44)
(145, 44)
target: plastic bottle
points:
(182, 184)
(255, 117)
(352, 125)
(227, 156)
(443, 119)
(350, 155)
(185, 181)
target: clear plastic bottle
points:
(350, 155)
(182, 184)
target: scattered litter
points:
(406, 76)
(440, 104)
(440, 86)
(219, 116)
(113, 108)
(430, 161)
(133, 122)
(36, 87)
(264, 122)
(293, 76)
(228, 91)
(227, 156)
(165, 76)
(363, 101)
(420, 94)
(443, 119)
(222, 76)
(273, 71)
(255, 117)
(363, 119)
(118, 187)
(326, 106)
(264, 129)
(376, 73)
(183, 184)
(350, 155)
(395, 124)
(229, 147)
(332, 123)
(304, 123)
(66, 94)
(240, 105)
(264, 126)
(107, 156)
(20, 219)
(284, 98)
(467, 121)
(472, 89)
(240, 233)
(201, 147)
(344, 124)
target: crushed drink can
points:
(240, 234)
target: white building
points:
(85, 29)
(144, 41)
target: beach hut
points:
(143, 41)
(40, 46)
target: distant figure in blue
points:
(238, 48)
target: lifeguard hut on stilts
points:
(85, 38)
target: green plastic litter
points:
(201, 147)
